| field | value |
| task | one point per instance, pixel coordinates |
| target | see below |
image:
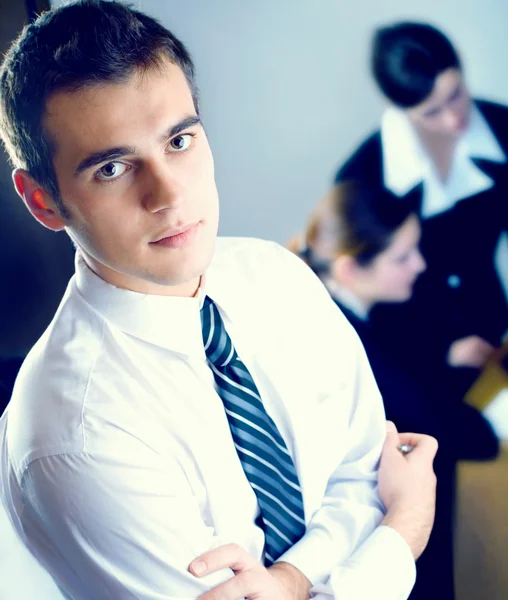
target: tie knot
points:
(219, 348)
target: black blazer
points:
(403, 401)
(461, 430)
(460, 293)
(366, 162)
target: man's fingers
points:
(392, 438)
(229, 556)
(391, 427)
(237, 588)
(425, 446)
(247, 580)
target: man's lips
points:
(178, 236)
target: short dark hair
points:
(406, 60)
(78, 45)
(359, 220)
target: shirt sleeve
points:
(341, 537)
(127, 526)
(382, 567)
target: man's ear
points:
(37, 200)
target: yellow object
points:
(491, 381)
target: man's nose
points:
(162, 189)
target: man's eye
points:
(111, 171)
(180, 143)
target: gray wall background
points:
(286, 94)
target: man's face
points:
(136, 174)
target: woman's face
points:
(390, 277)
(446, 111)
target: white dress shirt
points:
(118, 466)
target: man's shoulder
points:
(272, 277)
(66, 348)
(257, 261)
(249, 254)
(244, 247)
(45, 411)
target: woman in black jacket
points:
(364, 245)
(449, 151)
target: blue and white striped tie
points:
(261, 449)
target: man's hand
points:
(407, 486)
(471, 351)
(252, 580)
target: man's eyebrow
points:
(181, 126)
(109, 154)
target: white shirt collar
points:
(171, 322)
(403, 156)
(406, 164)
(347, 298)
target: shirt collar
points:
(405, 163)
(403, 156)
(169, 321)
(348, 299)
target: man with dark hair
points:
(182, 428)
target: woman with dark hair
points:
(438, 145)
(363, 243)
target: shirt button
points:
(454, 281)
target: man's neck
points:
(187, 289)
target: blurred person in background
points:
(449, 151)
(364, 245)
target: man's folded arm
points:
(351, 509)
(117, 526)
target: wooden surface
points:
(481, 536)
(493, 379)
(481, 539)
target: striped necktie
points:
(262, 451)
